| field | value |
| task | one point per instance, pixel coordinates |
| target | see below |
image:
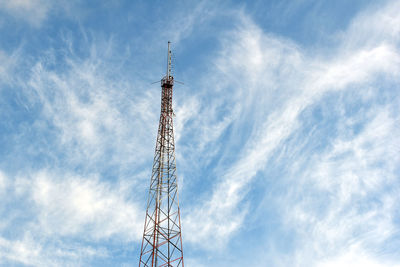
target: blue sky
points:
(287, 130)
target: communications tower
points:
(162, 238)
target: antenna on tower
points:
(169, 77)
(169, 61)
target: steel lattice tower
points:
(162, 239)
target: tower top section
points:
(168, 80)
(169, 60)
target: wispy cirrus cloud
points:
(27, 251)
(8, 65)
(294, 143)
(65, 205)
(346, 200)
(356, 257)
(65, 190)
(92, 110)
(32, 11)
(69, 206)
(259, 62)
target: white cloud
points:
(71, 206)
(184, 22)
(341, 201)
(355, 257)
(94, 112)
(62, 205)
(96, 117)
(29, 252)
(33, 11)
(250, 58)
(373, 144)
(7, 66)
(3, 182)
(193, 262)
(183, 113)
(373, 27)
(243, 62)
(20, 251)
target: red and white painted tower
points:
(162, 237)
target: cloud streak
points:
(252, 59)
(32, 11)
(66, 205)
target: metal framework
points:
(162, 239)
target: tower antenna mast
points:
(169, 60)
(162, 238)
